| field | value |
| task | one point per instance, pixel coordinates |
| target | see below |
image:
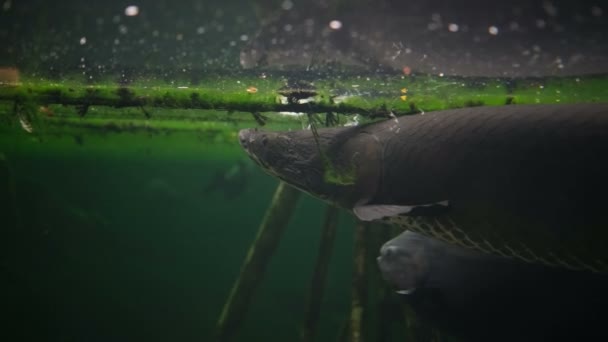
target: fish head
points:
(404, 262)
(336, 166)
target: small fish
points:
(521, 181)
(162, 191)
(484, 297)
(231, 182)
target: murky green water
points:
(127, 206)
(103, 248)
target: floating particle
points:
(403, 97)
(407, 70)
(335, 24)
(596, 11)
(453, 27)
(287, 5)
(131, 11)
(432, 26)
(550, 9)
(403, 90)
(493, 30)
(83, 40)
(252, 90)
(541, 24)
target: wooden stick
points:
(8, 195)
(386, 309)
(170, 97)
(359, 290)
(313, 308)
(269, 234)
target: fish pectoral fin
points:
(378, 211)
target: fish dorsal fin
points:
(378, 211)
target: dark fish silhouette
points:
(523, 181)
(432, 36)
(485, 297)
(233, 181)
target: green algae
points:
(184, 118)
(366, 96)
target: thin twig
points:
(269, 234)
(359, 290)
(313, 307)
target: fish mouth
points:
(276, 154)
(247, 137)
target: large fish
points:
(479, 296)
(522, 181)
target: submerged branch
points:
(269, 234)
(377, 96)
(359, 290)
(313, 307)
(188, 98)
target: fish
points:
(412, 261)
(478, 296)
(520, 181)
(232, 181)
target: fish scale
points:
(444, 229)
